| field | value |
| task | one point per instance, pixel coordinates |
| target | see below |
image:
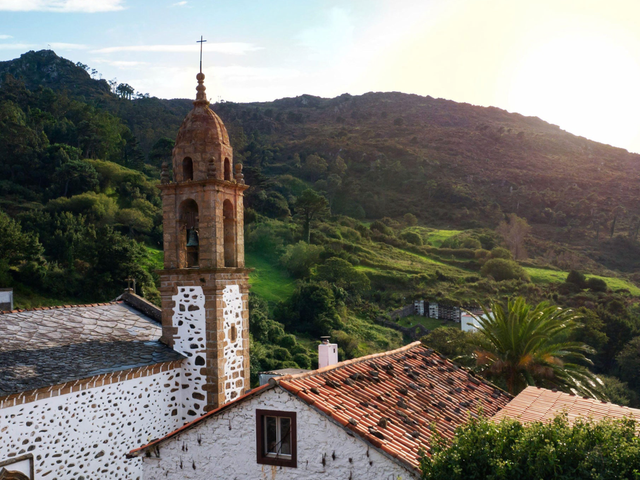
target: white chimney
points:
(327, 353)
(6, 299)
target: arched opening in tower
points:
(187, 169)
(229, 234)
(189, 243)
(227, 169)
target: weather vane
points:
(201, 41)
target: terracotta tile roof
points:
(535, 404)
(393, 400)
(50, 346)
(396, 400)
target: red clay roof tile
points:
(414, 389)
(539, 404)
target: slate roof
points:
(394, 400)
(535, 404)
(50, 346)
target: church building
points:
(127, 390)
(80, 386)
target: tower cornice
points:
(195, 183)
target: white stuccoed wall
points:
(224, 447)
(189, 317)
(94, 428)
(232, 348)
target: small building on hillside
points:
(361, 419)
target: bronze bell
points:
(192, 238)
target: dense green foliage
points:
(519, 344)
(558, 450)
(357, 204)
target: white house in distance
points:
(367, 418)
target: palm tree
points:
(524, 345)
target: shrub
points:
(577, 278)
(501, 269)
(339, 272)
(501, 252)
(262, 239)
(302, 360)
(482, 254)
(300, 257)
(553, 450)
(287, 341)
(409, 219)
(597, 284)
(411, 237)
(381, 227)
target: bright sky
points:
(574, 63)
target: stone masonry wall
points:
(224, 447)
(213, 284)
(86, 434)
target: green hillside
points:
(357, 205)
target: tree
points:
(584, 449)
(618, 212)
(339, 167)
(74, 177)
(161, 152)
(308, 207)
(519, 345)
(514, 231)
(452, 343)
(114, 258)
(313, 308)
(17, 246)
(135, 220)
(341, 273)
(314, 166)
(628, 361)
(300, 257)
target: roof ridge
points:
(56, 307)
(577, 397)
(345, 363)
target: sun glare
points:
(581, 83)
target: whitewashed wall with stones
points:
(232, 314)
(189, 317)
(85, 435)
(224, 447)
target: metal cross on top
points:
(201, 41)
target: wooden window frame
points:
(264, 459)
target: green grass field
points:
(436, 237)
(545, 276)
(156, 257)
(267, 280)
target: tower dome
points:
(202, 146)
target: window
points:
(227, 169)
(276, 438)
(229, 232)
(187, 169)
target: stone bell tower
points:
(204, 283)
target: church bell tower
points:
(204, 283)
